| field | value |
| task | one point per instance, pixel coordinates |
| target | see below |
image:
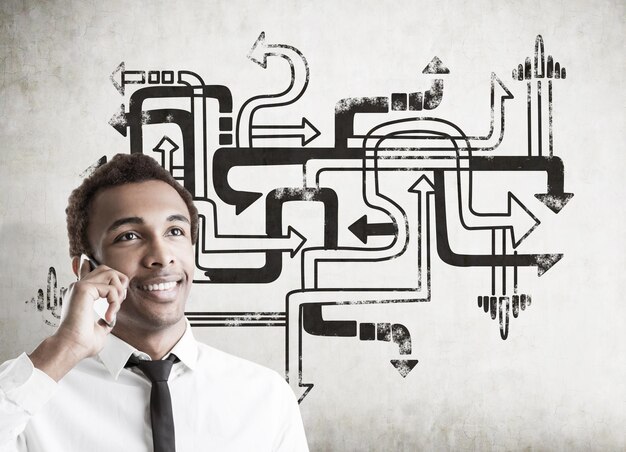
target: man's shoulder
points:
(220, 364)
(221, 361)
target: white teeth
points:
(161, 286)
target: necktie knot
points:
(158, 370)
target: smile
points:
(159, 287)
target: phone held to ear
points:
(101, 305)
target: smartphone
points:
(101, 305)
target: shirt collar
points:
(116, 352)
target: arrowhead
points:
(88, 171)
(309, 132)
(554, 202)
(523, 221)
(435, 67)
(507, 94)
(404, 366)
(423, 184)
(546, 261)
(245, 201)
(118, 84)
(300, 240)
(118, 120)
(165, 145)
(258, 52)
(359, 229)
(302, 391)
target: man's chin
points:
(153, 322)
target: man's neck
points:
(157, 343)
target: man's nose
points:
(158, 254)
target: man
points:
(74, 392)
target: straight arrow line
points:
(381, 229)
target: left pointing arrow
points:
(119, 120)
(362, 229)
(120, 77)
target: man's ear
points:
(76, 265)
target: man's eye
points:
(126, 237)
(176, 231)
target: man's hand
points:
(80, 334)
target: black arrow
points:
(362, 229)
(554, 201)
(404, 366)
(306, 131)
(225, 159)
(555, 198)
(543, 262)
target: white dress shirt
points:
(220, 403)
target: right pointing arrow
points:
(292, 242)
(306, 131)
(404, 366)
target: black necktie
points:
(160, 401)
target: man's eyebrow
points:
(178, 217)
(122, 221)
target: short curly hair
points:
(121, 169)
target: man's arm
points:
(24, 389)
(28, 382)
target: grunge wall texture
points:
(415, 246)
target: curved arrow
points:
(299, 70)
(489, 142)
(555, 197)
(227, 158)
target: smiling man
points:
(137, 380)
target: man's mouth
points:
(160, 286)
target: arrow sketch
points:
(397, 184)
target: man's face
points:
(143, 230)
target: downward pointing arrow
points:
(404, 366)
(554, 201)
(362, 229)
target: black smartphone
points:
(101, 305)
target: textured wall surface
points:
(391, 374)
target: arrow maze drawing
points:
(401, 189)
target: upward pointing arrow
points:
(166, 147)
(435, 67)
(423, 184)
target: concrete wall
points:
(556, 382)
